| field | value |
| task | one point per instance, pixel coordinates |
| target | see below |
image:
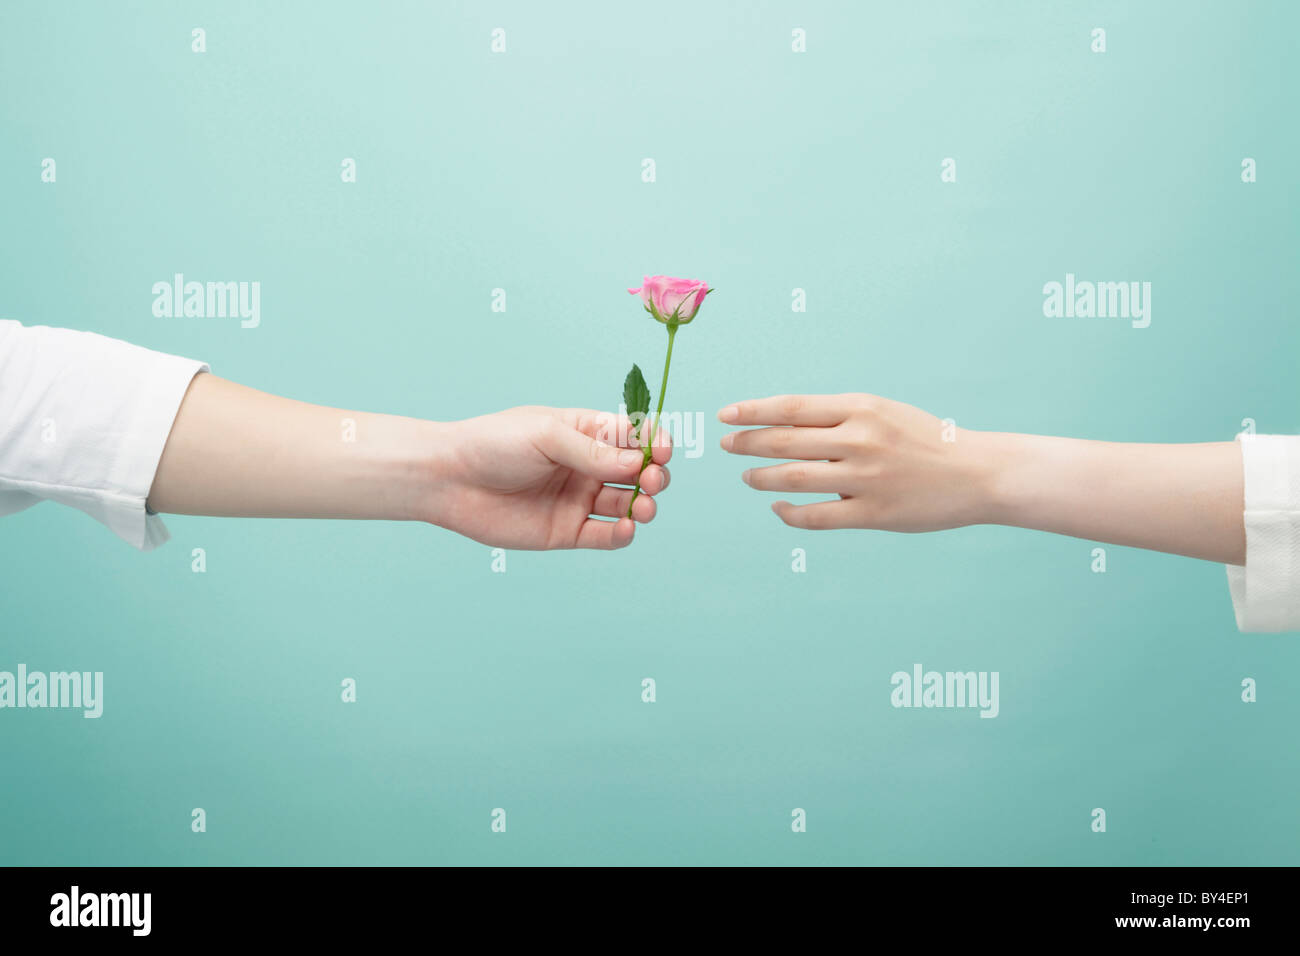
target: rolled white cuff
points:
(83, 421)
(1266, 592)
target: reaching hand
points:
(898, 468)
(531, 478)
(895, 467)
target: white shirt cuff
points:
(83, 421)
(1266, 592)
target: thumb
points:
(571, 448)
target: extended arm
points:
(526, 478)
(121, 433)
(1182, 499)
(899, 468)
(237, 452)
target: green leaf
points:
(636, 396)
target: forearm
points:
(1181, 499)
(237, 452)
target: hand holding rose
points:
(526, 478)
(537, 478)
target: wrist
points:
(430, 482)
(1019, 481)
(998, 475)
(407, 466)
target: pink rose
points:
(671, 300)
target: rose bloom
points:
(664, 295)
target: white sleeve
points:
(1266, 592)
(83, 421)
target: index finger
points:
(823, 410)
(617, 430)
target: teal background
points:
(775, 171)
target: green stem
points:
(663, 388)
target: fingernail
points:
(729, 414)
(629, 458)
(745, 475)
(728, 440)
